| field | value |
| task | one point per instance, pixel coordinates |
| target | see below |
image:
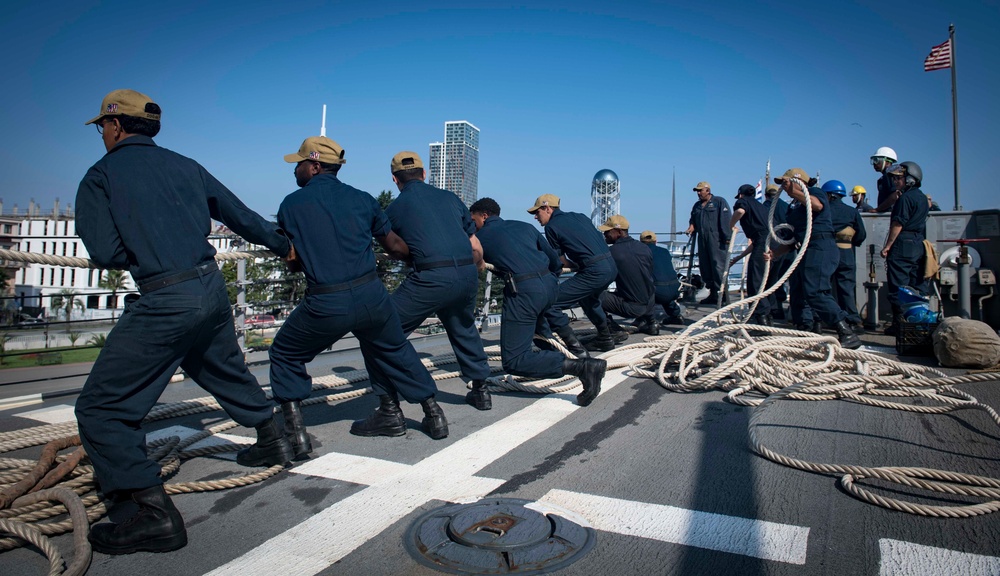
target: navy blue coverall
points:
(711, 223)
(149, 209)
(885, 190)
(531, 267)
(816, 268)
(781, 264)
(633, 296)
(436, 225)
(845, 277)
(573, 235)
(666, 285)
(904, 263)
(331, 225)
(754, 224)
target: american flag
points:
(939, 58)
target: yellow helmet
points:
(858, 190)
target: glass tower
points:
(454, 163)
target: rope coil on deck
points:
(756, 366)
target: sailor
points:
(881, 160)
(849, 233)
(821, 257)
(150, 210)
(530, 268)
(772, 195)
(710, 219)
(904, 246)
(752, 217)
(666, 284)
(858, 194)
(633, 296)
(575, 239)
(333, 224)
(442, 240)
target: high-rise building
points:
(605, 197)
(454, 163)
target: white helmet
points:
(885, 152)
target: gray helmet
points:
(914, 175)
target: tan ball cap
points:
(615, 222)
(648, 236)
(124, 103)
(544, 200)
(318, 149)
(405, 160)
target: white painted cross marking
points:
(395, 490)
(906, 558)
(757, 538)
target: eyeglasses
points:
(100, 125)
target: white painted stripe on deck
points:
(901, 558)
(335, 532)
(51, 414)
(756, 538)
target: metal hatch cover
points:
(497, 536)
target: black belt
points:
(331, 288)
(667, 283)
(179, 277)
(530, 275)
(915, 233)
(456, 262)
(598, 259)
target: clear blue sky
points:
(559, 90)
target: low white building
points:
(54, 233)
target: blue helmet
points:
(835, 187)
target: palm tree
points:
(114, 280)
(66, 300)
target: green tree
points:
(4, 338)
(390, 272)
(113, 280)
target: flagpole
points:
(954, 109)
(673, 209)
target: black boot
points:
(712, 299)
(271, 449)
(817, 327)
(590, 371)
(479, 397)
(603, 342)
(572, 342)
(897, 320)
(647, 325)
(295, 430)
(434, 421)
(848, 339)
(156, 526)
(387, 420)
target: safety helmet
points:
(858, 190)
(914, 175)
(884, 152)
(835, 187)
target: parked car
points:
(260, 321)
(26, 321)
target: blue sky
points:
(559, 91)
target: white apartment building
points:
(55, 234)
